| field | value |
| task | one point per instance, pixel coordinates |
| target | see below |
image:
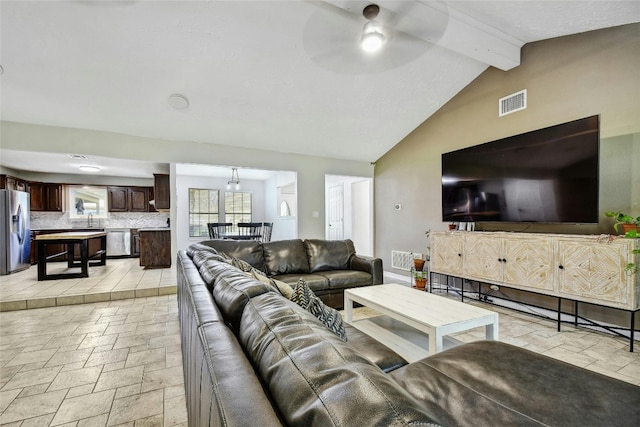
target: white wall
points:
(310, 170)
(184, 182)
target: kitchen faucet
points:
(90, 220)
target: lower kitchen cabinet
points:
(155, 247)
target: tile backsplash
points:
(59, 220)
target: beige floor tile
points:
(33, 377)
(120, 378)
(25, 358)
(68, 357)
(86, 406)
(136, 407)
(77, 377)
(161, 378)
(32, 406)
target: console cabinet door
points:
(594, 271)
(529, 263)
(483, 257)
(446, 253)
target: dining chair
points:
(217, 230)
(253, 230)
(267, 227)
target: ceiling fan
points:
(360, 37)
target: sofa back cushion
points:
(285, 257)
(329, 254)
(232, 289)
(246, 250)
(314, 377)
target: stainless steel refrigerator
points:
(15, 234)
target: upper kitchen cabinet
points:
(9, 182)
(161, 192)
(46, 197)
(128, 199)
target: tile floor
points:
(121, 278)
(596, 351)
(118, 363)
(115, 363)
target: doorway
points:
(349, 211)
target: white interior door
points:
(336, 212)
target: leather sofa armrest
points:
(368, 264)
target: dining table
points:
(70, 240)
(238, 236)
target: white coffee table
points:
(430, 314)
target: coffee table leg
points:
(491, 330)
(435, 342)
(348, 308)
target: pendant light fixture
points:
(235, 179)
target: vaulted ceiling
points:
(286, 76)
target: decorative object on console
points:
(628, 222)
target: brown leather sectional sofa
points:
(327, 266)
(253, 358)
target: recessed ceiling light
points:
(89, 168)
(179, 102)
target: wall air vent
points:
(403, 260)
(512, 103)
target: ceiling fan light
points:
(372, 37)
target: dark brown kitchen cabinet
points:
(161, 191)
(128, 199)
(9, 182)
(155, 247)
(46, 197)
(138, 199)
(117, 199)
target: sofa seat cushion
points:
(341, 279)
(285, 257)
(329, 254)
(314, 377)
(378, 353)
(493, 383)
(316, 282)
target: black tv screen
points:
(548, 175)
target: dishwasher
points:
(118, 242)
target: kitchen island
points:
(155, 247)
(69, 240)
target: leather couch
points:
(327, 266)
(253, 358)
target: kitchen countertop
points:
(155, 229)
(71, 235)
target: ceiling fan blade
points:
(332, 37)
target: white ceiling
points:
(276, 75)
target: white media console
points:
(580, 268)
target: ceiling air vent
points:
(78, 156)
(512, 103)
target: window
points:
(85, 200)
(203, 208)
(237, 208)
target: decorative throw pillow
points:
(305, 298)
(281, 287)
(237, 263)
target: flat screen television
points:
(548, 175)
